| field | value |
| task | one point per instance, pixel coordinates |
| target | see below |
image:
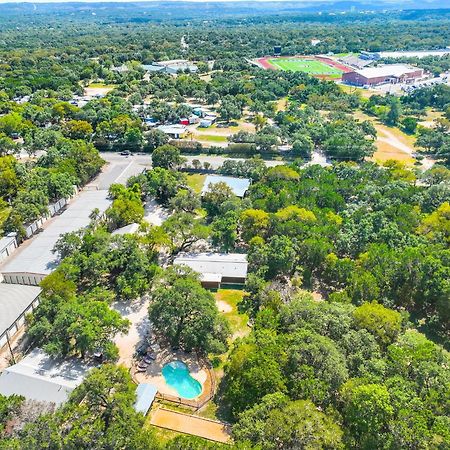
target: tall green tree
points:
(185, 314)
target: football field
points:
(310, 66)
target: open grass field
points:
(196, 182)
(210, 138)
(391, 142)
(364, 93)
(102, 85)
(310, 66)
(227, 301)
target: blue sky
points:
(432, 3)
(198, 1)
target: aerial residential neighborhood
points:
(224, 225)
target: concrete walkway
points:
(194, 425)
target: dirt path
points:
(194, 425)
(394, 141)
(391, 143)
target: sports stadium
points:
(317, 66)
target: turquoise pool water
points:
(178, 377)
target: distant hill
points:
(157, 11)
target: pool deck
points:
(194, 425)
(153, 375)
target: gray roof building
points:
(35, 259)
(216, 268)
(40, 377)
(15, 302)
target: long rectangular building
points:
(216, 268)
(41, 378)
(389, 73)
(15, 302)
(35, 259)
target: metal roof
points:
(43, 378)
(5, 241)
(229, 265)
(389, 70)
(239, 186)
(127, 229)
(14, 300)
(172, 129)
(145, 394)
(36, 256)
(211, 277)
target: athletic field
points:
(310, 66)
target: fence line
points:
(195, 404)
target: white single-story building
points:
(175, 131)
(8, 244)
(239, 186)
(15, 302)
(216, 269)
(42, 378)
(172, 67)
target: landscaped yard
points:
(196, 182)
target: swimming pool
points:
(178, 377)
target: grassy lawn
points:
(209, 411)
(364, 93)
(196, 182)
(282, 104)
(211, 137)
(430, 117)
(341, 55)
(310, 66)
(102, 85)
(229, 128)
(386, 151)
(162, 434)
(227, 301)
(391, 143)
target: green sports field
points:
(311, 66)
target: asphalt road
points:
(131, 164)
